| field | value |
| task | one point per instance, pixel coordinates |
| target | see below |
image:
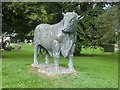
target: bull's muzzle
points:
(64, 30)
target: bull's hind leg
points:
(35, 54)
(47, 55)
(41, 51)
(56, 53)
(46, 58)
(70, 57)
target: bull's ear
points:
(73, 11)
(63, 13)
(80, 17)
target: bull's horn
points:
(80, 17)
(73, 11)
(63, 13)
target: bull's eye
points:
(73, 20)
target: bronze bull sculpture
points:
(57, 38)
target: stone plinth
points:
(49, 69)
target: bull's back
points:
(43, 35)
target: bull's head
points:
(69, 22)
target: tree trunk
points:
(77, 52)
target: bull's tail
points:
(36, 36)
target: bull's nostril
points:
(64, 29)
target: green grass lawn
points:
(95, 70)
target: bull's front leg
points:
(70, 57)
(35, 55)
(56, 53)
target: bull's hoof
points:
(47, 62)
(34, 64)
(56, 69)
(72, 70)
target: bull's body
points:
(47, 35)
(56, 41)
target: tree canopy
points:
(97, 27)
(107, 26)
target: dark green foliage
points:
(107, 26)
(24, 17)
(92, 30)
(108, 48)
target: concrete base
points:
(49, 69)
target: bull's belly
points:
(45, 37)
(46, 43)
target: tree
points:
(107, 26)
(86, 28)
(22, 18)
(88, 31)
(16, 18)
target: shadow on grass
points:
(88, 55)
(16, 54)
(24, 54)
(94, 55)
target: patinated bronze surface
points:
(56, 39)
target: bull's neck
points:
(61, 23)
